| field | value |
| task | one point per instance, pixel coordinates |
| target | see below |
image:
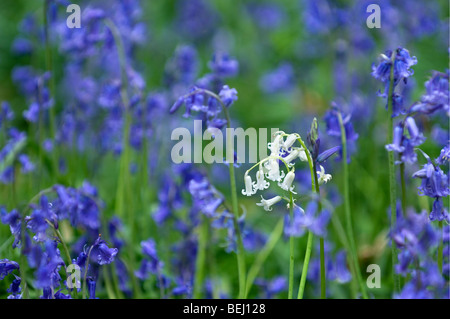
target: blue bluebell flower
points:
(6, 267)
(223, 66)
(304, 220)
(15, 289)
(333, 128)
(151, 263)
(436, 96)
(6, 114)
(12, 219)
(267, 16)
(339, 271)
(272, 287)
(91, 287)
(227, 95)
(279, 80)
(102, 254)
(444, 156)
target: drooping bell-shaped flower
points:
(274, 173)
(322, 177)
(290, 140)
(248, 191)
(287, 182)
(261, 183)
(268, 203)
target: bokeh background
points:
(295, 58)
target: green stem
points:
(234, 199)
(291, 250)
(263, 254)
(348, 215)
(124, 188)
(66, 251)
(441, 247)
(235, 206)
(201, 258)
(301, 289)
(392, 188)
(49, 67)
(323, 293)
(403, 186)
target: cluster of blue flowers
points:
(94, 103)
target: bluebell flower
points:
(196, 19)
(151, 263)
(60, 295)
(223, 66)
(444, 156)
(333, 128)
(104, 255)
(304, 220)
(227, 95)
(6, 114)
(182, 67)
(48, 264)
(267, 16)
(436, 96)
(22, 46)
(318, 16)
(402, 66)
(12, 219)
(434, 181)
(340, 272)
(272, 287)
(282, 79)
(405, 145)
(205, 197)
(41, 216)
(15, 289)
(27, 165)
(6, 267)
(91, 287)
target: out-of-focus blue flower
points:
(318, 16)
(6, 267)
(307, 220)
(14, 221)
(271, 287)
(340, 272)
(22, 46)
(227, 95)
(206, 198)
(91, 287)
(38, 221)
(333, 128)
(151, 263)
(223, 66)
(404, 144)
(6, 114)
(27, 165)
(444, 156)
(282, 79)
(182, 67)
(437, 95)
(48, 263)
(268, 16)
(15, 289)
(196, 19)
